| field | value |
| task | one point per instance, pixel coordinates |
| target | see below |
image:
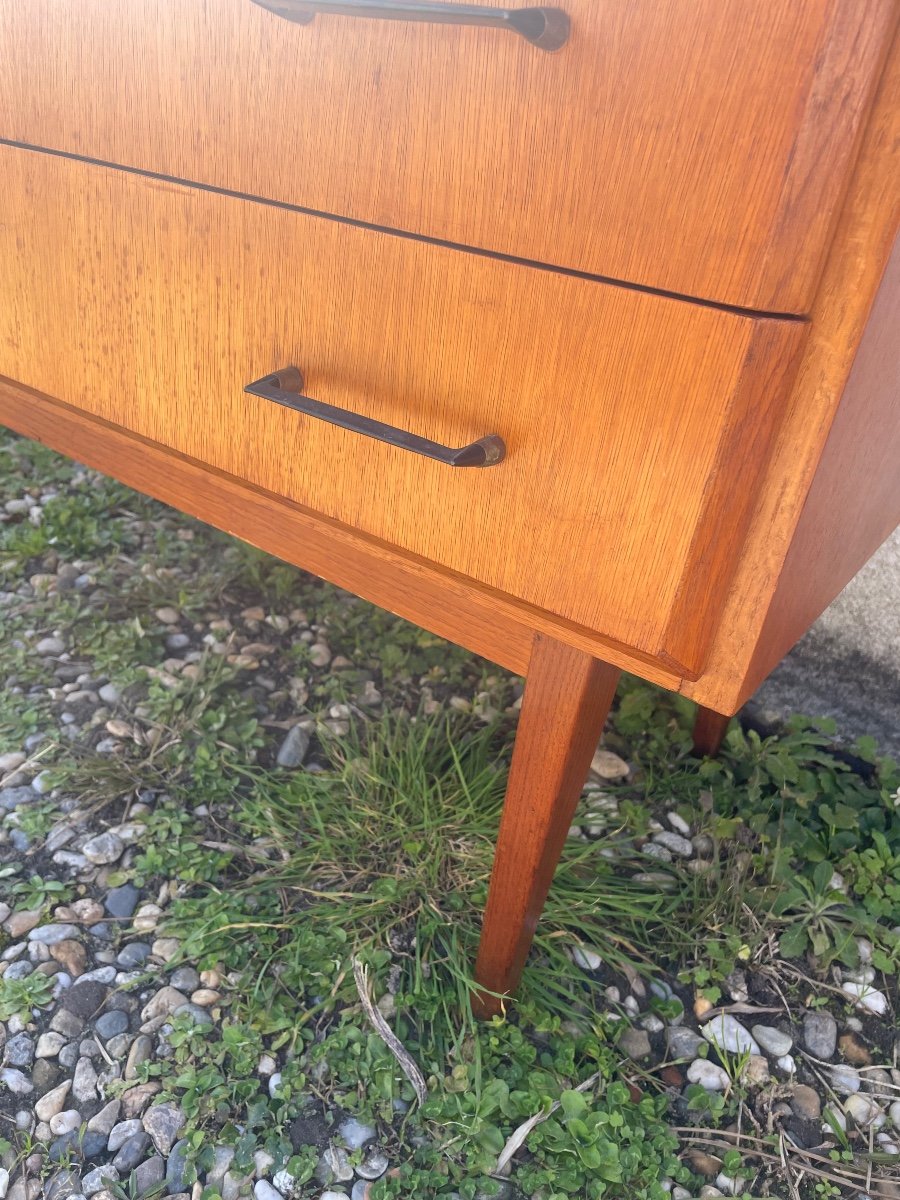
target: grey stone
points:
(111, 1023)
(93, 1144)
(50, 646)
(772, 1040)
(94, 1180)
(132, 1151)
(119, 1134)
(355, 1133)
(360, 1190)
(12, 798)
(103, 849)
(294, 748)
(69, 1056)
(674, 842)
(20, 1051)
(820, 1034)
(104, 1121)
(15, 1081)
(50, 935)
(135, 954)
(185, 979)
(373, 1165)
(19, 970)
(64, 1146)
(264, 1191)
(163, 1122)
(45, 1075)
(634, 1042)
(122, 901)
(682, 1042)
(198, 1015)
(141, 1049)
(222, 1160)
(84, 1084)
(117, 1047)
(65, 1185)
(149, 1174)
(166, 1000)
(49, 1045)
(175, 1167)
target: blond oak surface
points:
(697, 146)
(636, 425)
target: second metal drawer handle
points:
(547, 28)
(285, 387)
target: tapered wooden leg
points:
(567, 698)
(709, 730)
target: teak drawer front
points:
(696, 146)
(635, 425)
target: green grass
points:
(283, 878)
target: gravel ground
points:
(99, 997)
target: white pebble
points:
(65, 1121)
(679, 824)
(845, 1080)
(709, 1075)
(894, 1110)
(729, 1185)
(866, 997)
(675, 842)
(587, 959)
(786, 1064)
(15, 1081)
(726, 1033)
(864, 1111)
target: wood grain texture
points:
(709, 731)
(495, 626)
(567, 698)
(636, 425)
(849, 424)
(854, 501)
(722, 131)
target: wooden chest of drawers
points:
(570, 335)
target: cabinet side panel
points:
(854, 501)
(764, 614)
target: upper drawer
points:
(636, 425)
(695, 146)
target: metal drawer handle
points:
(546, 28)
(285, 386)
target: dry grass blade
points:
(387, 1035)
(517, 1138)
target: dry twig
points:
(517, 1138)
(387, 1035)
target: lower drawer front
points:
(636, 426)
